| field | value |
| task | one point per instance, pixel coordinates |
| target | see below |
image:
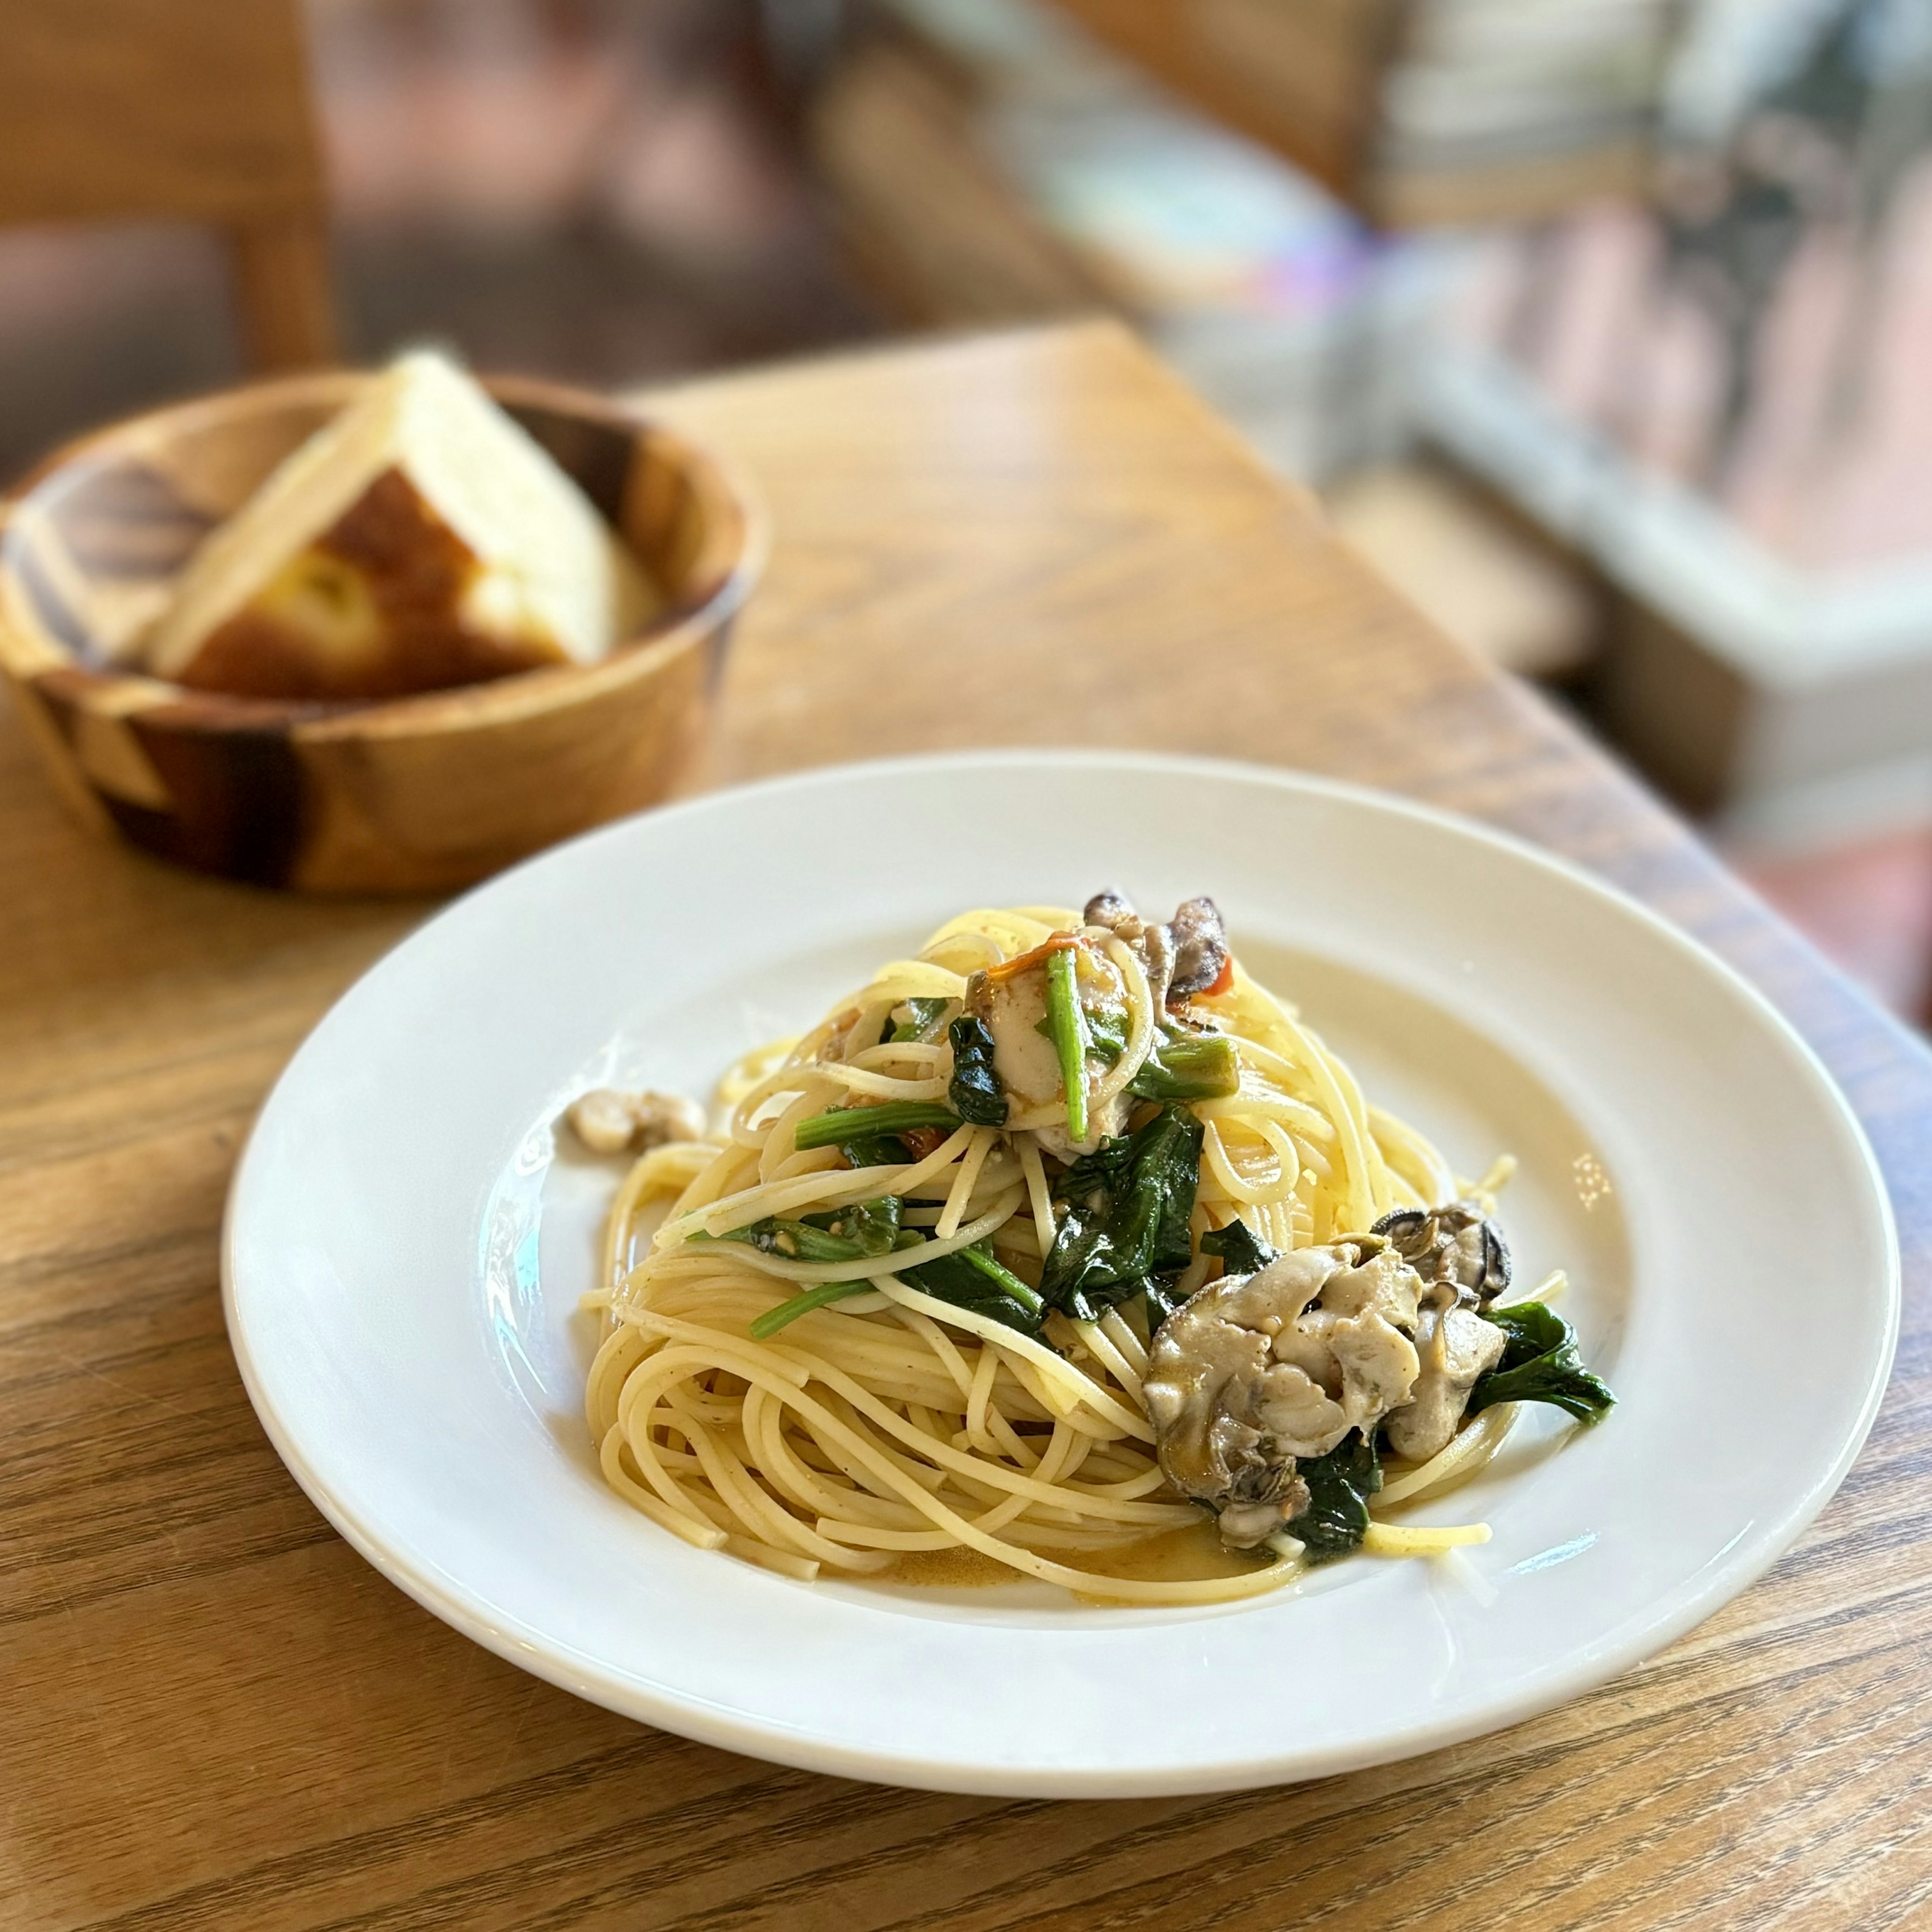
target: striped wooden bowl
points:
(414, 794)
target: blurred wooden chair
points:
(195, 110)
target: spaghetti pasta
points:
(838, 1350)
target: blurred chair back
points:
(195, 110)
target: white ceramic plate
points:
(407, 1243)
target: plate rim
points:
(557, 1662)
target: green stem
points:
(1188, 1069)
(1069, 1038)
(765, 1326)
(993, 1270)
(844, 1123)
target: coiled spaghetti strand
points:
(891, 1422)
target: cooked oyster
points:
(1458, 1243)
(1256, 1371)
(1011, 1000)
(1382, 1330)
(1455, 1346)
(1186, 956)
(608, 1121)
(1461, 1256)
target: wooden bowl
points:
(414, 794)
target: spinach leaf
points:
(923, 1026)
(1241, 1249)
(790, 1240)
(1194, 1068)
(874, 1225)
(1340, 1485)
(841, 1234)
(1125, 1227)
(1106, 1170)
(839, 1124)
(1180, 1066)
(876, 1151)
(971, 1278)
(975, 1091)
(1106, 1033)
(1541, 1363)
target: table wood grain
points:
(212, 1713)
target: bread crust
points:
(373, 608)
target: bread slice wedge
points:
(422, 538)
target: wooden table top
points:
(213, 1713)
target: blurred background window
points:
(1601, 324)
